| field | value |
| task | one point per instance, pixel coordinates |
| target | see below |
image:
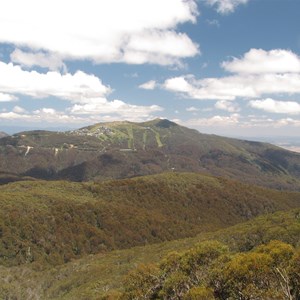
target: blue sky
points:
(229, 67)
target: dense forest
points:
(55, 222)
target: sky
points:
(227, 67)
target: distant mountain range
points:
(127, 149)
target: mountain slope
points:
(3, 134)
(54, 222)
(93, 276)
(126, 149)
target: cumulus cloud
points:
(274, 106)
(19, 109)
(259, 61)
(76, 87)
(45, 110)
(243, 125)
(225, 6)
(149, 85)
(42, 115)
(14, 116)
(52, 116)
(227, 88)
(272, 72)
(44, 60)
(226, 105)
(159, 47)
(86, 92)
(102, 106)
(7, 97)
(216, 120)
(288, 122)
(179, 84)
(192, 109)
(131, 31)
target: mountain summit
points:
(127, 149)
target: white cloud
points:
(225, 6)
(213, 22)
(80, 116)
(18, 109)
(86, 92)
(227, 88)
(102, 106)
(45, 110)
(228, 106)
(238, 125)
(265, 122)
(131, 31)
(7, 97)
(76, 87)
(149, 85)
(259, 61)
(274, 106)
(288, 122)
(179, 84)
(44, 60)
(274, 72)
(217, 120)
(44, 116)
(192, 109)
(14, 116)
(159, 47)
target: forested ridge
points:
(55, 222)
(261, 244)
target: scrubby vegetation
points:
(210, 271)
(55, 222)
(106, 274)
(170, 236)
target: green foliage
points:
(56, 222)
(56, 238)
(199, 293)
(267, 272)
(94, 276)
(142, 283)
(294, 274)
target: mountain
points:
(3, 134)
(126, 149)
(54, 222)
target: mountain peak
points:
(162, 123)
(126, 149)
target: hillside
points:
(126, 149)
(55, 222)
(94, 276)
(3, 134)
